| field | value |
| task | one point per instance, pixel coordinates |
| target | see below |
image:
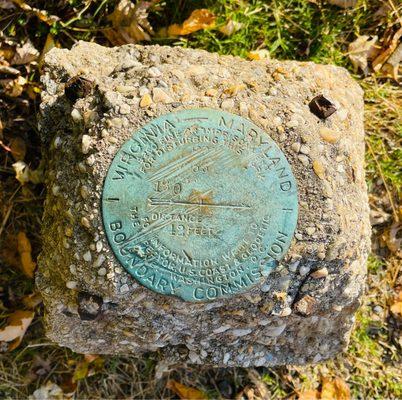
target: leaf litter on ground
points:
(331, 389)
(185, 392)
(199, 19)
(17, 324)
(130, 23)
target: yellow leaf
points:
(81, 371)
(50, 43)
(130, 23)
(396, 308)
(258, 55)
(199, 19)
(309, 395)
(17, 324)
(25, 250)
(336, 389)
(185, 392)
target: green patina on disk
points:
(200, 204)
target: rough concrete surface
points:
(303, 312)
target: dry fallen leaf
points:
(41, 14)
(24, 174)
(334, 389)
(25, 251)
(262, 54)
(396, 307)
(392, 66)
(361, 51)
(309, 395)
(185, 392)
(32, 300)
(50, 43)
(331, 389)
(6, 54)
(17, 324)
(88, 366)
(393, 239)
(25, 54)
(14, 87)
(391, 44)
(130, 23)
(231, 27)
(260, 386)
(48, 391)
(18, 148)
(9, 251)
(199, 19)
(6, 5)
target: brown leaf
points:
(185, 392)
(361, 51)
(260, 386)
(334, 389)
(393, 238)
(6, 54)
(25, 54)
(391, 67)
(9, 251)
(17, 324)
(32, 300)
(130, 23)
(24, 249)
(390, 45)
(199, 19)
(14, 87)
(18, 148)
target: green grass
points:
(289, 29)
(292, 29)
